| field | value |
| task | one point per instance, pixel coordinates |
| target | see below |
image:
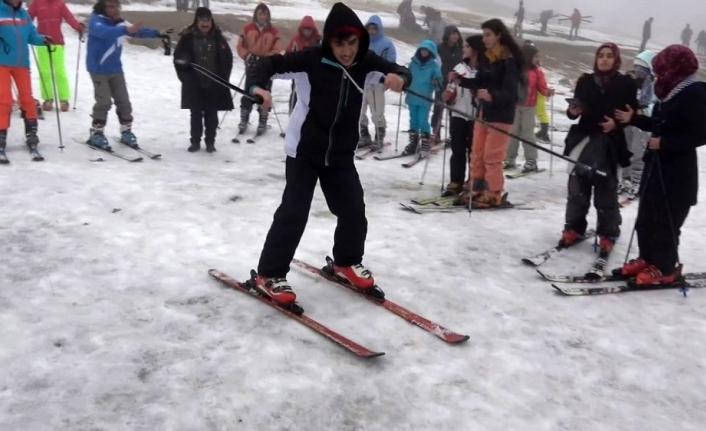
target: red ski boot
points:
(276, 288)
(652, 276)
(631, 268)
(357, 275)
(605, 243)
(569, 237)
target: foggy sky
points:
(628, 16)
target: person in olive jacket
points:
(670, 181)
(203, 43)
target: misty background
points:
(621, 17)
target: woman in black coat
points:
(670, 180)
(203, 43)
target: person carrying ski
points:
(49, 15)
(544, 18)
(575, 19)
(259, 38)
(104, 48)
(320, 146)
(496, 83)
(464, 103)
(307, 35)
(597, 141)
(426, 79)
(669, 187)
(526, 112)
(375, 92)
(17, 33)
(636, 138)
(451, 54)
(203, 43)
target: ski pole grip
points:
(257, 99)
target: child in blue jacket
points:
(106, 32)
(426, 78)
(16, 33)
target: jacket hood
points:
(377, 21)
(261, 6)
(645, 59)
(339, 17)
(308, 22)
(452, 29)
(429, 45)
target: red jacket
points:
(536, 82)
(298, 41)
(49, 14)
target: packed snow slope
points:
(110, 321)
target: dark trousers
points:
(659, 245)
(437, 114)
(199, 118)
(344, 196)
(605, 199)
(246, 102)
(461, 131)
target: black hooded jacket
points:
(450, 55)
(326, 132)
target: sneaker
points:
(357, 275)
(631, 268)
(276, 288)
(48, 105)
(651, 276)
(64, 105)
(530, 166)
(569, 237)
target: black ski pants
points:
(201, 117)
(658, 243)
(461, 131)
(344, 196)
(605, 199)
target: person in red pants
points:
(16, 34)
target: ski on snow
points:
(378, 297)
(683, 287)
(139, 149)
(583, 279)
(295, 312)
(449, 207)
(362, 153)
(34, 154)
(111, 152)
(544, 256)
(515, 175)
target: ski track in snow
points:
(110, 321)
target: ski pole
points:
(583, 166)
(399, 115)
(551, 135)
(281, 131)
(78, 62)
(240, 83)
(255, 98)
(39, 70)
(56, 96)
(443, 165)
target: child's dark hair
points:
(476, 43)
(99, 7)
(506, 39)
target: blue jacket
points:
(105, 43)
(426, 75)
(381, 44)
(646, 94)
(16, 32)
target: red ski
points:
(377, 297)
(296, 313)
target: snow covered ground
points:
(110, 321)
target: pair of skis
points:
(33, 152)
(120, 155)
(447, 204)
(376, 296)
(254, 138)
(362, 153)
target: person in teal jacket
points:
(17, 32)
(426, 78)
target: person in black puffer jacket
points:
(450, 52)
(670, 181)
(598, 140)
(321, 140)
(203, 43)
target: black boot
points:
(194, 147)
(364, 141)
(543, 134)
(31, 138)
(411, 148)
(3, 140)
(262, 124)
(426, 143)
(210, 147)
(244, 118)
(379, 138)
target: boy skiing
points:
(15, 36)
(50, 14)
(106, 30)
(320, 145)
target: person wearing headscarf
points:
(598, 140)
(670, 182)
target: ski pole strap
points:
(591, 169)
(255, 98)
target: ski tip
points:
(560, 290)
(528, 261)
(139, 159)
(457, 338)
(541, 274)
(372, 355)
(156, 157)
